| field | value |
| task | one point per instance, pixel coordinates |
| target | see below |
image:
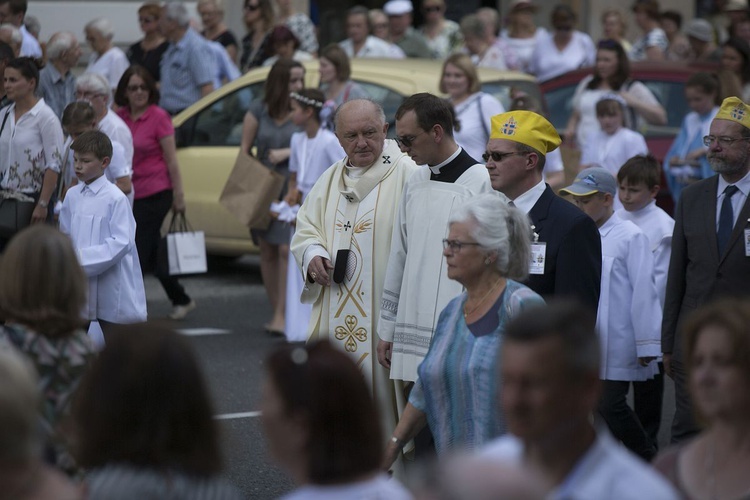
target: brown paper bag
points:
(250, 190)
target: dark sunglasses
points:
(135, 88)
(608, 44)
(251, 8)
(498, 157)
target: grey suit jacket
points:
(697, 273)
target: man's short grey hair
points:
(541, 159)
(103, 26)
(177, 12)
(33, 25)
(59, 43)
(19, 401)
(472, 25)
(378, 110)
(16, 37)
(93, 82)
(499, 229)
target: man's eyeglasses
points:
(722, 140)
(251, 8)
(407, 140)
(455, 245)
(498, 157)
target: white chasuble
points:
(342, 213)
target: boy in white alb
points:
(613, 144)
(638, 181)
(97, 216)
(629, 314)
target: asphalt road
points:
(227, 331)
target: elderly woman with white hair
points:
(488, 247)
(106, 59)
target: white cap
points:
(398, 7)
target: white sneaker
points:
(179, 312)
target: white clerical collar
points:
(355, 172)
(436, 169)
(527, 200)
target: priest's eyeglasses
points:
(722, 140)
(455, 245)
(498, 157)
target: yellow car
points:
(208, 132)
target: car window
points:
(671, 95)
(503, 90)
(220, 124)
(560, 105)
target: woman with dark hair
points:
(735, 64)
(652, 46)
(143, 421)
(322, 425)
(259, 20)
(156, 176)
(42, 293)
(149, 51)
(563, 50)
(285, 45)
(714, 464)
(31, 142)
(487, 250)
(335, 76)
(268, 126)
(611, 75)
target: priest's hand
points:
(384, 353)
(318, 269)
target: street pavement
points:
(226, 330)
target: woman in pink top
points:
(156, 175)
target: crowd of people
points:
(451, 299)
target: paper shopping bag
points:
(249, 191)
(186, 249)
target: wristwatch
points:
(43, 204)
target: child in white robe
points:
(312, 152)
(629, 314)
(98, 218)
(613, 144)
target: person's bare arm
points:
(124, 183)
(170, 157)
(249, 131)
(207, 89)
(411, 422)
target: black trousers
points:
(149, 215)
(647, 402)
(622, 420)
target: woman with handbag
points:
(156, 176)
(268, 126)
(31, 142)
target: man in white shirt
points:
(361, 43)
(13, 12)
(550, 362)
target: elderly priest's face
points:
(361, 131)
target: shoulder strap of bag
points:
(481, 116)
(632, 118)
(5, 119)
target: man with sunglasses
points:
(710, 245)
(417, 287)
(343, 240)
(567, 250)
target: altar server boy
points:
(98, 218)
(629, 316)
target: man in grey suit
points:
(710, 249)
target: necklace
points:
(473, 309)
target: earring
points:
(487, 261)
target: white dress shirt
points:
(99, 221)
(738, 200)
(117, 130)
(111, 65)
(527, 200)
(373, 47)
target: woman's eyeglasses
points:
(251, 8)
(498, 157)
(455, 245)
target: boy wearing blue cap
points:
(629, 315)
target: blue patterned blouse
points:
(458, 382)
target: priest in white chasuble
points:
(343, 240)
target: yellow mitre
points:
(735, 110)
(526, 127)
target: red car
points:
(667, 82)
